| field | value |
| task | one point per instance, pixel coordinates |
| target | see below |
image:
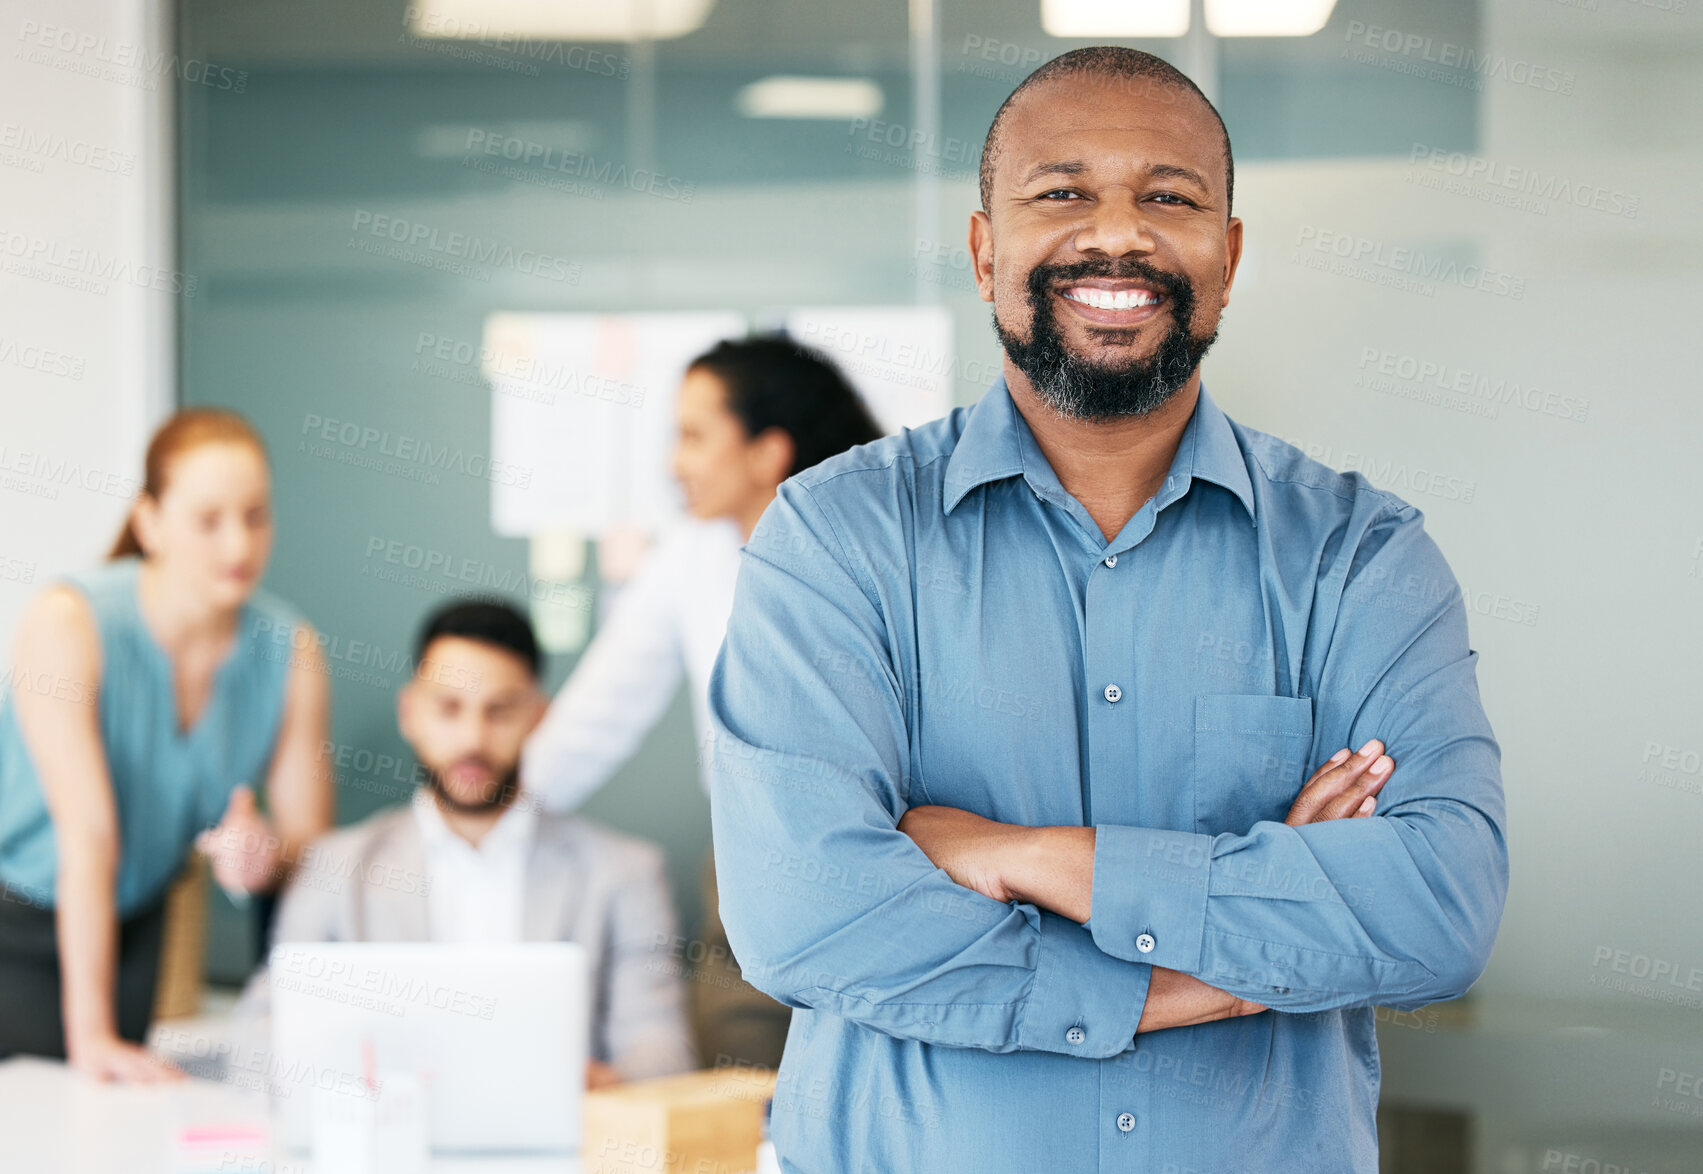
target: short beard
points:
(501, 795)
(1080, 389)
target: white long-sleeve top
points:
(669, 620)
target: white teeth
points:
(1105, 299)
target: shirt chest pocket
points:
(1250, 758)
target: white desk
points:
(54, 1121)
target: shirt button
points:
(1126, 1122)
(1145, 943)
(1075, 1035)
(1111, 560)
(1113, 693)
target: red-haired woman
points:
(144, 699)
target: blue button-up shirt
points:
(932, 618)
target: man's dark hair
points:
(772, 381)
(486, 621)
(1105, 63)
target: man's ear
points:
(540, 705)
(1232, 256)
(407, 699)
(981, 253)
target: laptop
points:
(499, 1032)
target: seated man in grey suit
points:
(473, 859)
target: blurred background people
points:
(471, 859)
(147, 699)
(751, 413)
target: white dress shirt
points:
(476, 894)
(669, 620)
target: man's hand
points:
(1345, 787)
(243, 848)
(966, 845)
(1175, 999)
(1054, 869)
(984, 855)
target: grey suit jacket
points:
(585, 883)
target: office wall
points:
(1539, 410)
(89, 286)
(1562, 479)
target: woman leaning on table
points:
(143, 698)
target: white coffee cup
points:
(382, 1130)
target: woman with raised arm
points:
(146, 700)
(750, 413)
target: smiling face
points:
(1107, 249)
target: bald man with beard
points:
(1057, 741)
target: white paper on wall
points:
(582, 405)
(900, 358)
(582, 415)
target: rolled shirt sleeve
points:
(827, 904)
(1398, 909)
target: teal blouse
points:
(169, 785)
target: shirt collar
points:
(513, 829)
(996, 436)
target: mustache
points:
(1077, 385)
(1043, 278)
(506, 785)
